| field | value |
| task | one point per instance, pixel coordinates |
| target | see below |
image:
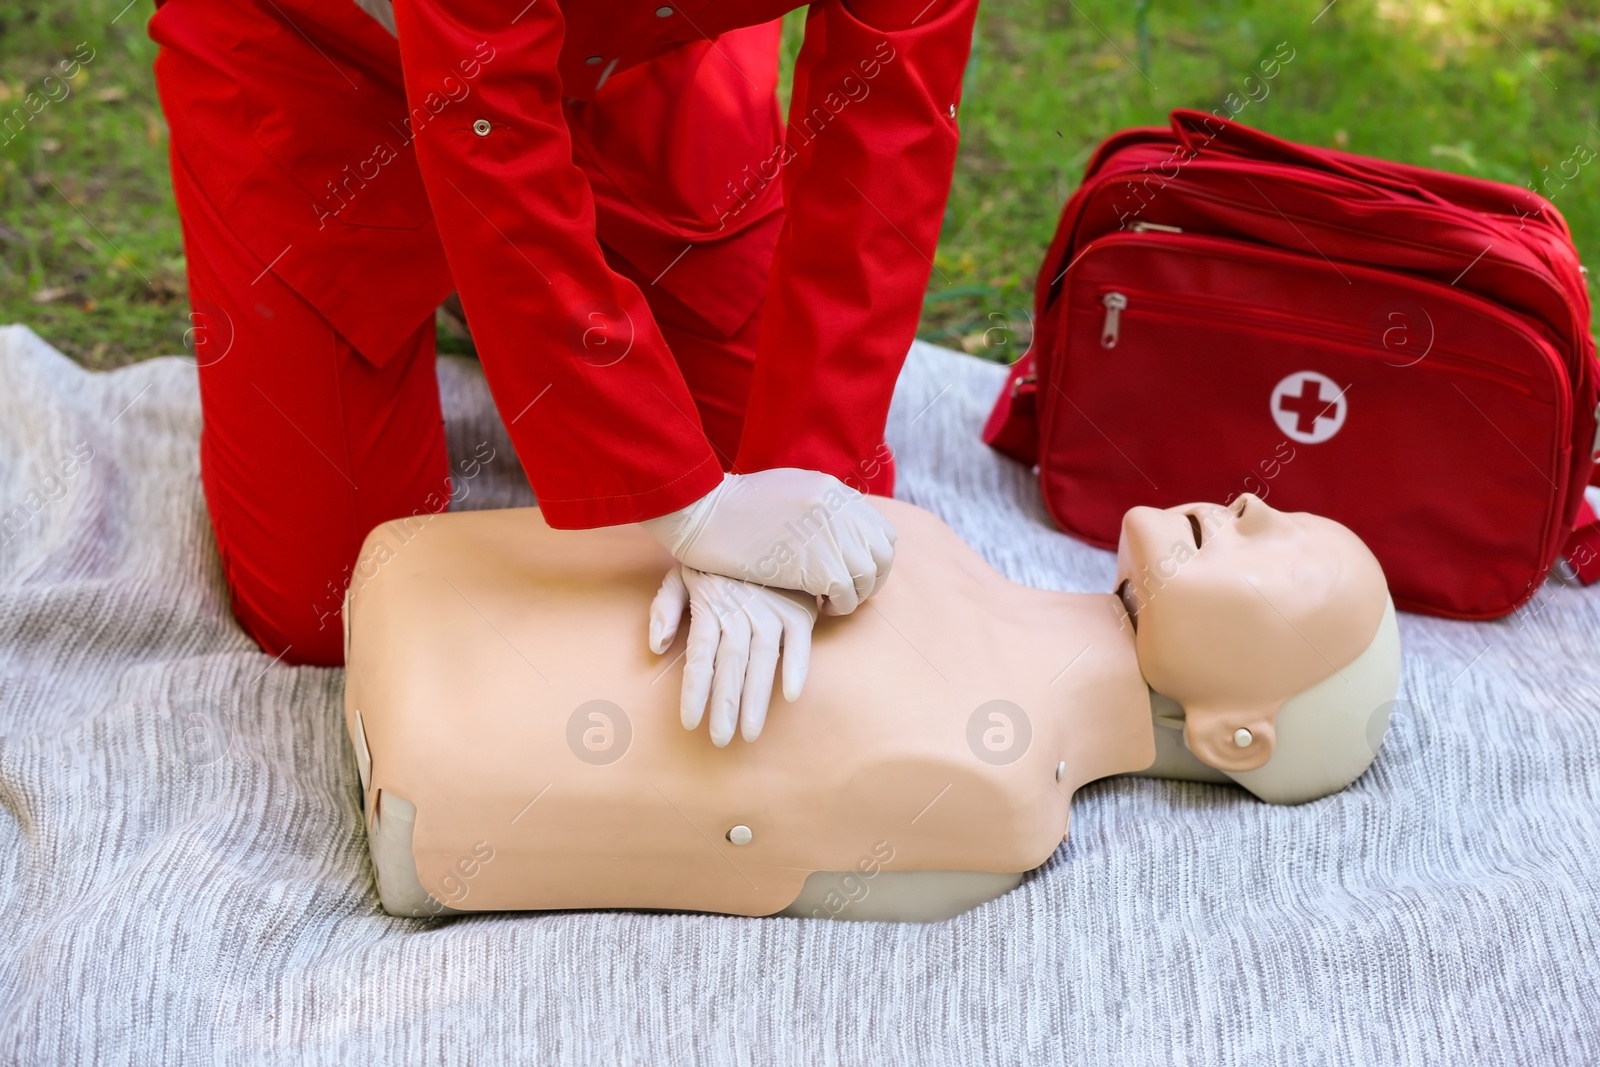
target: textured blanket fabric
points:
(185, 880)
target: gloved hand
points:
(785, 527)
(735, 629)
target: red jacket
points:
(594, 403)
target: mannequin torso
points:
(931, 728)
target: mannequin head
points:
(1245, 613)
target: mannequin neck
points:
(1173, 758)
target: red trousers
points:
(313, 303)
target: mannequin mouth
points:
(1130, 602)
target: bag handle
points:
(1197, 131)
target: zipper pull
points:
(1156, 227)
(1114, 303)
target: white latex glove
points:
(735, 630)
(785, 527)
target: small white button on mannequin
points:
(741, 835)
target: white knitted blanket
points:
(183, 865)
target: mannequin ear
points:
(1215, 737)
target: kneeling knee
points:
(295, 617)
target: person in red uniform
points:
(690, 311)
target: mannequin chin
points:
(519, 745)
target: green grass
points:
(91, 255)
(85, 200)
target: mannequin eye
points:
(1194, 527)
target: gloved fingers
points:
(797, 624)
(881, 521)
(881, 545)
(827, 574)
(698, 661)
(666, 610)
(857, 556)
(871, 539)
(843, 603)
(762, 670)
(733, 654)
(867, 526)
(807, 560)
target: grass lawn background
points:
(91, 255)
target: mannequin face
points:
(1235, 609)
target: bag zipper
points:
(1113, 302)
(1546, 277)
(1351, 341)
(1319, 328)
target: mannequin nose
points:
(1254, 514)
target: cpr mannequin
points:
(519, 745)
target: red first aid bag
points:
(1403, 350)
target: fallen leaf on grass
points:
(111, 94)
(1460, 152)
(50, 296)
(974, 343)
